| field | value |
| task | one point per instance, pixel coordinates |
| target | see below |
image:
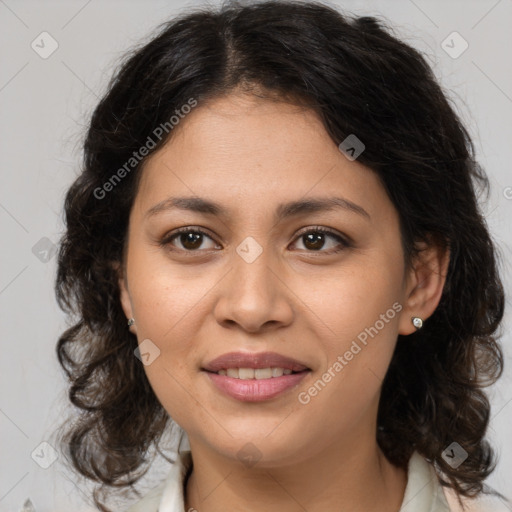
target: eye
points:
(190, 239)
(314, 239)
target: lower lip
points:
(255, 390)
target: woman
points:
(275, 248)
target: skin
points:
(297, 298)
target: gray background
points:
(44, 105)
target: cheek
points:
(356, 313)
(164, 295)
(353, 299)
(169, 306)
(170, 319)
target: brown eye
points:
(188, 239)
(316, 239)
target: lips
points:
(254, 360)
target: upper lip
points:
(253, 360)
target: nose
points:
(254, 296)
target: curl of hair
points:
(359, 79)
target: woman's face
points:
(262, 278)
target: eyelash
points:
(167, 240)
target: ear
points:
(124, 295)
(424, 284)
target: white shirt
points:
(423, 492)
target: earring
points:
(131, 321)
(417, 322)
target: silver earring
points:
(417, 322)
(131, 321)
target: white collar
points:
(423, 492)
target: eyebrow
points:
(283, 210)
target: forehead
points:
(254, 152)
(246, 124)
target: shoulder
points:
(168, 496)
(150, 501)
(483, 503)
(424, 493)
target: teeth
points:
(277, 372)
(245, 373)
(263, 373)
(251, 373)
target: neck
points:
(358, 477)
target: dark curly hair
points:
(360, 79)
